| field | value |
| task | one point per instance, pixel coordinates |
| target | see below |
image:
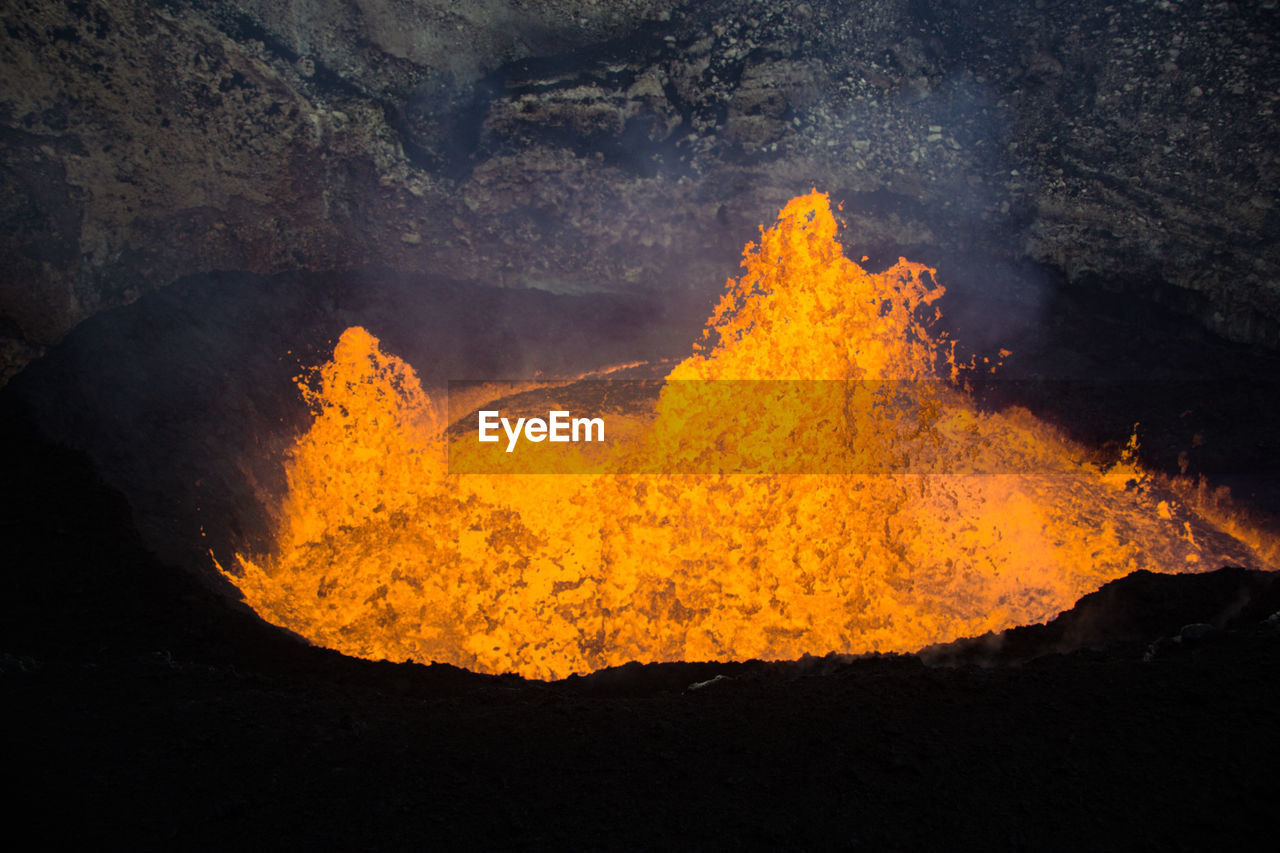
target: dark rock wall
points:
(631, 146)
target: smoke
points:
(187, 400)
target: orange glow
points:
(382, 553)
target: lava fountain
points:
(914, 517)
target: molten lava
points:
(381, 552)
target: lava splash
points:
(382, 552)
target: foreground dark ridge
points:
(141, 706)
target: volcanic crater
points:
(950, 521)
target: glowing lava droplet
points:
(382, 553)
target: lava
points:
(916, 517)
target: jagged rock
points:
(581, 145)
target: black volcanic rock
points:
(1133, 612)
(632, 146)
(196, 197)
(141, 708)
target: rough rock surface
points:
(593, 146)
(142, 709)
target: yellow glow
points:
(382, 553)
